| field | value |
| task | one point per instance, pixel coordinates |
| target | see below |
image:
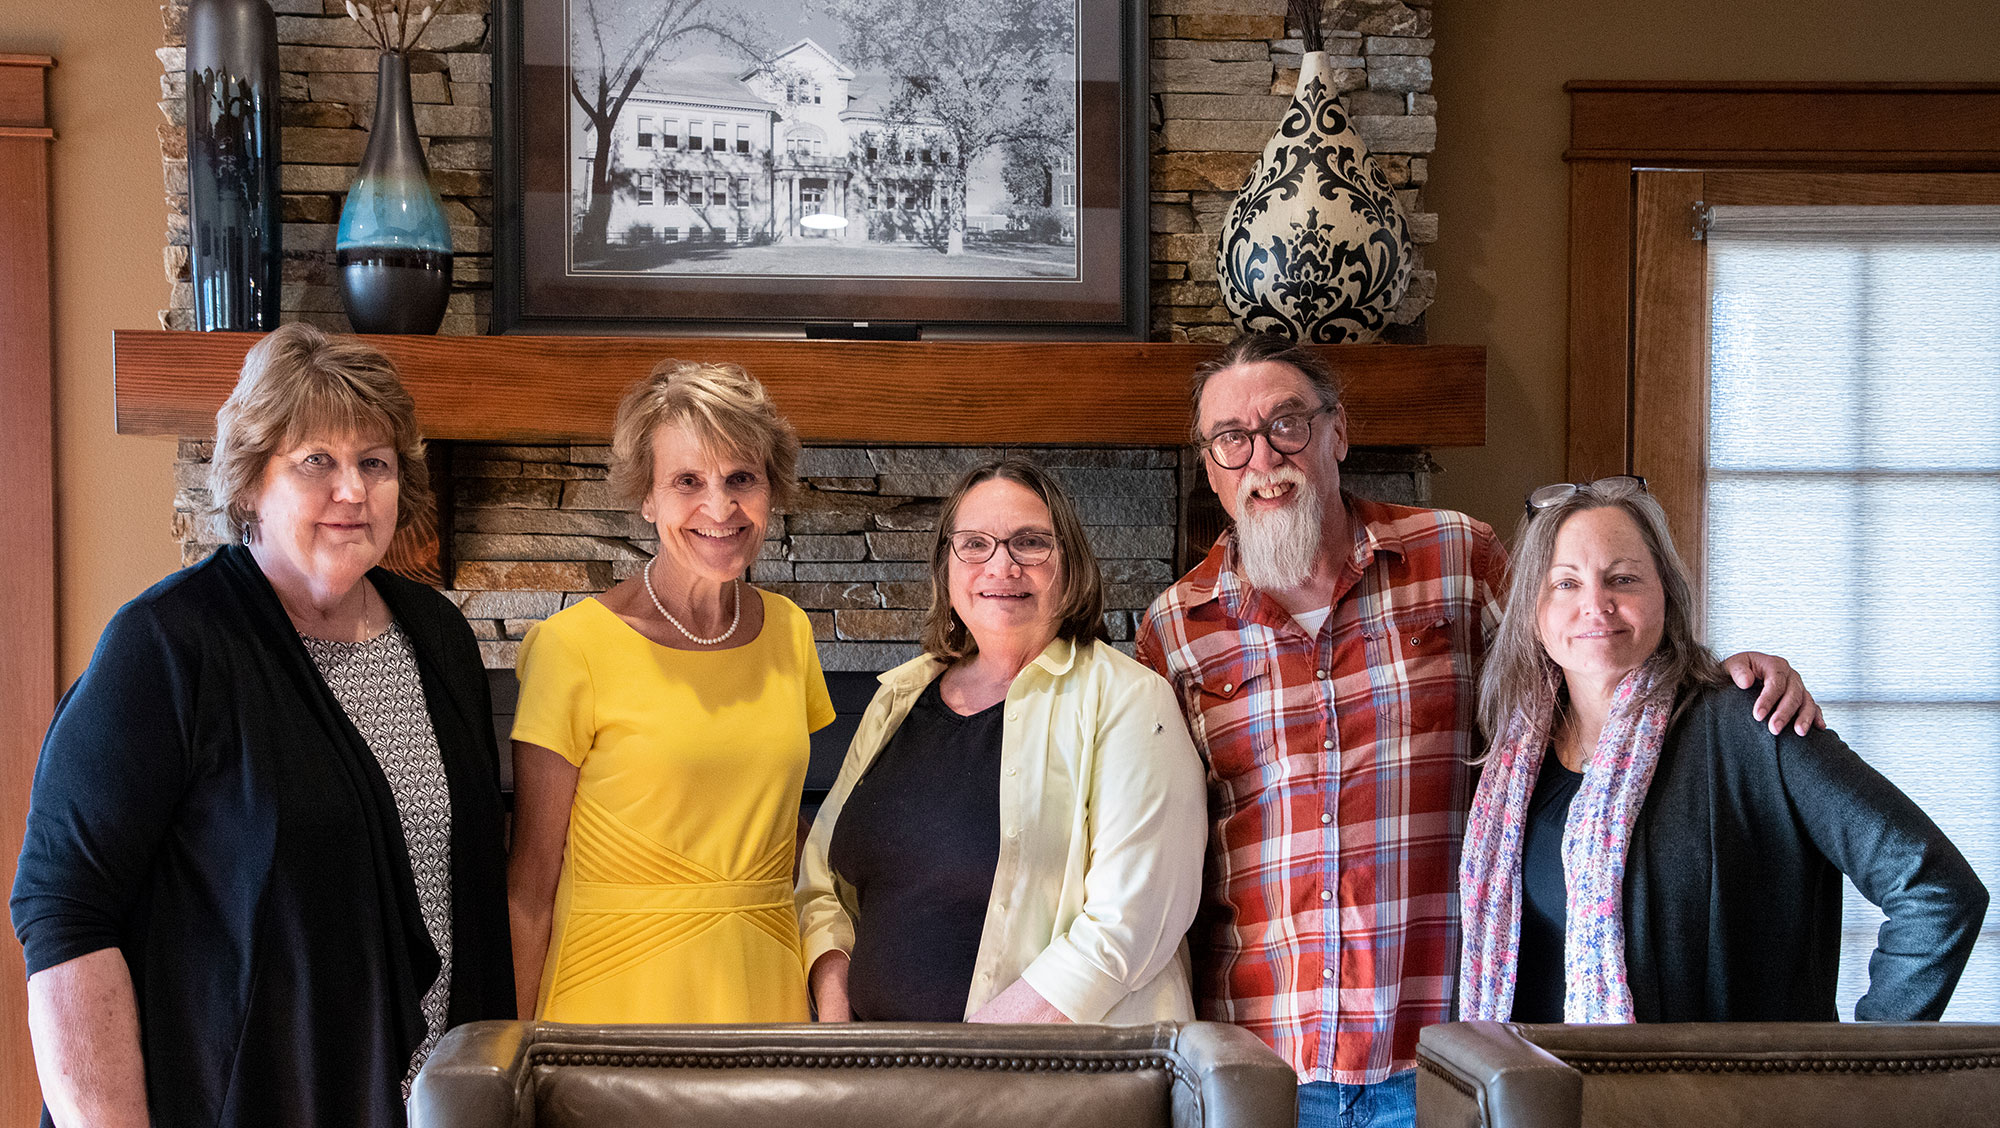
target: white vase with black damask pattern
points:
(1314, 246)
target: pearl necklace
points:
(735, 587)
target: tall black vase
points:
(394, 246)
(234, 231)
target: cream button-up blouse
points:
(1103, 822)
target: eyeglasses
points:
(1610, 489)
(1287, 434)
(1026, 549)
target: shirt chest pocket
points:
(1429, 689)
(1236, 710)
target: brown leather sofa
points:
(1715, 1075)
(521, 1074)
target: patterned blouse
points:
(377, 684)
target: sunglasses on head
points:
(1610, 489)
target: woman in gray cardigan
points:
(1640, 847)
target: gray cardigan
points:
(1733, 881)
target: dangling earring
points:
(246, 534)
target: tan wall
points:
(1501, 190)
(114, 495)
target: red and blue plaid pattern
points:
(1338, 784)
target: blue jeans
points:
(1386, 1104)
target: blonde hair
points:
(1518, 665)
(300, 383)
(1080, 598)
(726, 408)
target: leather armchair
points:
(521, 1074)
(1772, 1075)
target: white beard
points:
(1276, 549)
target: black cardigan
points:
(1732, 885)
(203, 804)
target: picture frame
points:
(734, 175)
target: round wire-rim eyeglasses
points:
(1609, 488)
(1289, 433)
(1026, 549)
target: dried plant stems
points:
(389, 26)
(1305, 15)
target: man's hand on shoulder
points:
(1784, 698)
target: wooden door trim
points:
(1669, 425)
(27, 536)
(1600, 324)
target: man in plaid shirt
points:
(1327, 656)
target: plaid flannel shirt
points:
(1338, 785)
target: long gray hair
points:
(1518, 666)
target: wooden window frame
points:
(1641, 154)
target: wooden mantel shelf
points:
(958, 393)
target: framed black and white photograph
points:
(967, 167)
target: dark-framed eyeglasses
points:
(1289, 433)
(1610, 489)
(1026, 549)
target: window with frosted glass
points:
(1853, 511)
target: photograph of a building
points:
(798, 163)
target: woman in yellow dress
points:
(660, 742)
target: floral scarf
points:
(1595, 839)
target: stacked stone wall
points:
(536, 528)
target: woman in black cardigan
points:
(263, 868)
(1640, 847)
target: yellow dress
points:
(675, 903)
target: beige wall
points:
(1501, 190)
(114, 495)
(1497, 179)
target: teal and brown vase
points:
(1314, 246)
(393, 249)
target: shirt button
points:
(1320, 674)
(1326, 744)
(1326, 973)
(1326, 894)
(1011, 771)
(1326, 818)
(1014, 832)
(1229, 687)
(1416, 640)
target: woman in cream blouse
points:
(1017, 832)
